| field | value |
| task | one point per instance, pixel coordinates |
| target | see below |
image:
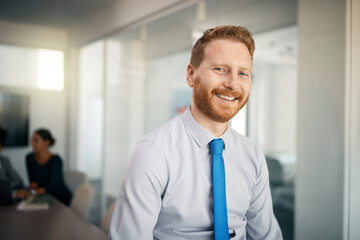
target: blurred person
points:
(8, 173)
(45, 169)
(195, 177)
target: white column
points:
(321, 120)
(353, 134)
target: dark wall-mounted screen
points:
(14, 117)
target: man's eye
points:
(243, 74)
(220, 69)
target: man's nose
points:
(232, 81)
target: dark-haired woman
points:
(45, 170)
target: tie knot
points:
(217, 146)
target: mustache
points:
(218, 91)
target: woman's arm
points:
(29, 167)
(32, 179)
(56, 174)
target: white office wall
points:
(20, 34)
(320, 124)
(47, 109)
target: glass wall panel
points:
(90, 147)
(31, 68)
(272, 116)
(91, 110)
(124, 106)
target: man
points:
(169, 189)
(8, 173)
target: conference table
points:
(57, 223)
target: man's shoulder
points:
(152, 150)
(239, 138)
(167, 131)
(246, 145)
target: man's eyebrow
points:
(227, 66)
(246, 69)
(219, 64)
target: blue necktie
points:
(218, 173)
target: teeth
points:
(226, 97)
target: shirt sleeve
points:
(261, 222)
(139, 202)
(16, 181)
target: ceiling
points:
(51, 13)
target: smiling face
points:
(221, 84)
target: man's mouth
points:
(226, 97)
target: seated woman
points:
(8, 173)
(45, 169)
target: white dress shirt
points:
(167, 190)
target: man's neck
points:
(216, 128)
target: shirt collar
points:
(201, 135)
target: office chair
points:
(74, 178)
(82, 199)
(105, 223)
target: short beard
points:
(203, 101)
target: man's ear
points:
(190, 75)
